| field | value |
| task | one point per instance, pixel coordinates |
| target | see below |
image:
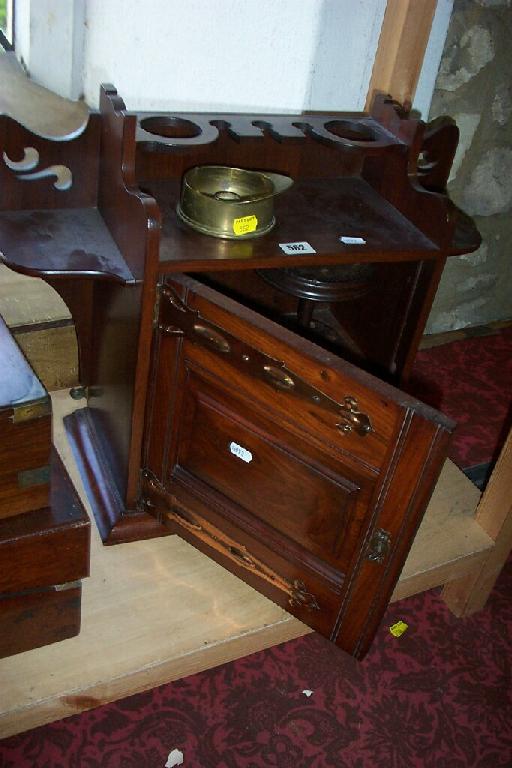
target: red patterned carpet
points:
(439, 696)
(471, 381)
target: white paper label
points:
(292, 248)
(353, 240)
(240, 453)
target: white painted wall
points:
(232, 55)
(226, 55)
(22, 30)
(50, 43)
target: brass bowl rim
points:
(246, 171)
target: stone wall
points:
(474, 86)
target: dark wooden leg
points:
(305, 312)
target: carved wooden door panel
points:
(298, 472)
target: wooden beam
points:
(469, 594)
(402, 44)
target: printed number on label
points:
(240, 452)
(300, 247)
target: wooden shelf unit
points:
(109, 274)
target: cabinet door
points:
(298, 472)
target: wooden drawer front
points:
(310, 595)
(312, 390)
(265, 473)
(24, 464)
(285, 484)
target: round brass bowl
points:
(230, 203)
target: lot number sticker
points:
(292, 248)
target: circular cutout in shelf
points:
(171, 127)
(350, 131)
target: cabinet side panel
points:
(111, 391)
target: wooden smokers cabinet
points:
(211, 414)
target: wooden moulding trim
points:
(132, 216)
(134, 221)
(431, 446)
(115, 523)
(402, 44)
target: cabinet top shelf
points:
(314, 211)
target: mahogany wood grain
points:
(133, 217)
(438, 148)
(40, 551)
(317, 211)
(114, 523)
(25, 428)
(49, 545)
(29, 621)
(80, 155)
(151, 465)
(61, 242)
(24, 464)
(302, 146)
(305, 503)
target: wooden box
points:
(44, 554)
(44, 530)
(25, 429)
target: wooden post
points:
(469, 594)
(402, 44)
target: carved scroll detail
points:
(155, 495)
(30, 161)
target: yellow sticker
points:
(245, 224)
(399, 628)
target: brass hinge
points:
(379, 546)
